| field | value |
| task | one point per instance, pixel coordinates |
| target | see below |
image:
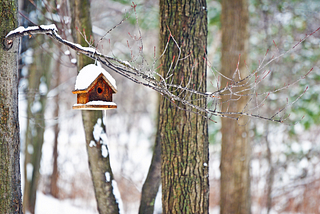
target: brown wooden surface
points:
(105, 94)
(94, 107)
(82, 98)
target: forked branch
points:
(183, 94)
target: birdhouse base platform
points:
(95, 105)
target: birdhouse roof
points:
(87, 76)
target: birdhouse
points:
(94, 88)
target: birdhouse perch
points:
(94, 88)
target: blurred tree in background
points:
(235, 143)
(39, 77)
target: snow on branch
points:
(235, 89)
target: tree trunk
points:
(54, 188)
(270, 177)
(235, 148)
(98, 153)
(39, 73)
(151, 185)
(10, 177)
(184, 135)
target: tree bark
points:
(184, 135)
(151, 185)
(98, 153)
(235, 148)
(10, 177)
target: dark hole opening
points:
(99, 90)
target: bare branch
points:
(236, 88)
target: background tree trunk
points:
(54, 188)
(235, 148)
(184, 135)
(151, 185)
(39, 73)
(10, 177)
(99, 162)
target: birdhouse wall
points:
(82, 98)
(100, 91)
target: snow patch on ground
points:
(47, 204)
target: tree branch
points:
(178, 93)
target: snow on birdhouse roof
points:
(88, 74)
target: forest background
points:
(285, 158)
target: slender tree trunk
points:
(10, 177)
(40, 69)
(184, 135)
(99, 162)
(151, 185)
(39, 74)
(235, 149)
(270, 178)
(54, 188)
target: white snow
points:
(36, 107)
(30, 149)
(296, 148)
(96, 103)
(29, 171)
(99, 133)
(104, 151)
(117, 195)
(92, 143)
(67, 53)
(97, 130)
(22, 29)
(89, 73)
(28, 56)
(127, 63)
(43, 89)
(104, 138)
(49, 205)
(99, 102)
(74, 60)
(107, 175)
(306, 146)
(49, 27)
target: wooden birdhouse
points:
(94, 88)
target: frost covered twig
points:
(236, 88)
